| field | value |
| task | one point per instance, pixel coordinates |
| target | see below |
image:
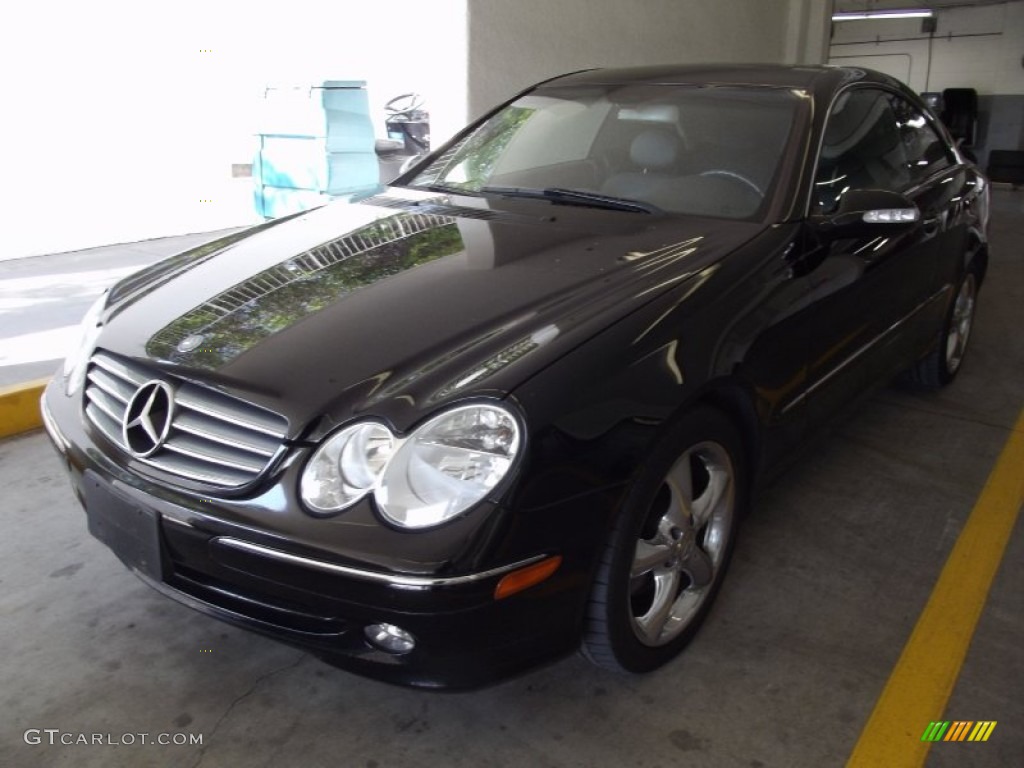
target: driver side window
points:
(927, 154)
(862, 149)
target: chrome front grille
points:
(214, 438)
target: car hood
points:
(402, 301)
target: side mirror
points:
(868, 213)
(410, 162)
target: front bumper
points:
(313, 598)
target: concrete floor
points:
(834, 566)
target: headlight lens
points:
(78, 356)
(346, 467)
(447, 465)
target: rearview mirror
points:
(868, 213)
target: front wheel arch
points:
(976, 258)
(738, 406)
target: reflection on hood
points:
(223, 327)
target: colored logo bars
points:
(959, 730)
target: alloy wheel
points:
(683, 543)
(960, 324)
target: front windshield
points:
(712, 151)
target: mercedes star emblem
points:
(190, 342)
(147, 420)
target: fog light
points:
(390, 638)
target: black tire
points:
(624, 630)
(942, 364)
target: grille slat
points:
(224, 409)
(213, 453)
(227, 433)
(111, 385)
(186, 466)
(119, 369)
(107, 426)
(107, 404)
(214, 438)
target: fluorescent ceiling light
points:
(907, 13)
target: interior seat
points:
(653, 155)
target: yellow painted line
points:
(923, 678)
(19, 407)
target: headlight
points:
(78, 356)
(346, 467)
(448, 465)
(444, 467)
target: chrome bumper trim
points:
(56, 436)
(395, 580)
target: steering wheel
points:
(735, 177)
(404, 105)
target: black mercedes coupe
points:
(516, 403)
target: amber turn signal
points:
(526, 577)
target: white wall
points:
(122, 118)
(117, 126)
(807, 31)
(513, 43)
(989, 61)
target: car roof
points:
(821, 80)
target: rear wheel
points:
(942, 364)
(669, 550)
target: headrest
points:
(654, 149)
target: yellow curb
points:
(19, 407)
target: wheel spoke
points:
(649, 555)
(680, 483)
(705, 505)
(651, 624)
(697, 565)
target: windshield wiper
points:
(447, 189)
(561, 195)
